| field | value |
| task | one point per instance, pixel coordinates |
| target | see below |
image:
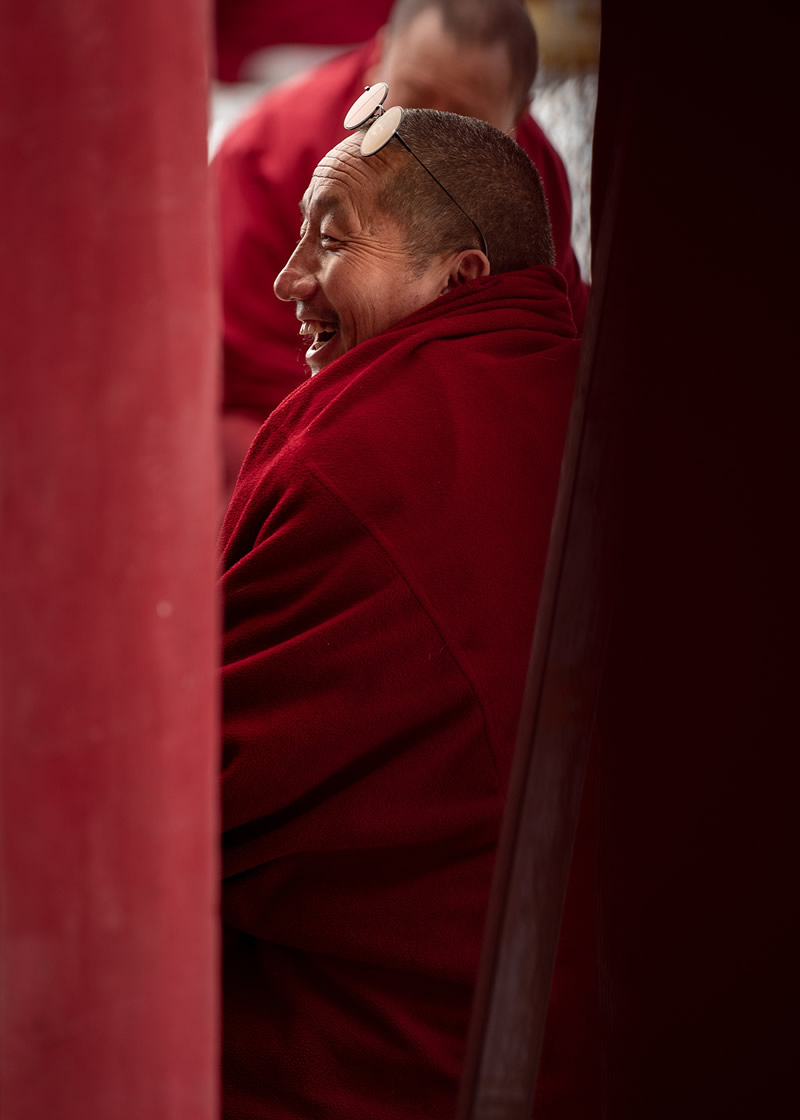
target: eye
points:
(328, 240)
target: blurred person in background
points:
(474, 57)
(244, 30)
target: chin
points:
(316, 367)
(318, 362)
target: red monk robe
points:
(262, 168)
(383, 554)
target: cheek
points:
(367, 303)
(371, 315)
(356, 315)
(370, 297)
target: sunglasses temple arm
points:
(446, 191)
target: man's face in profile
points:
(351, 274)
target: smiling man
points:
(474, 57)
(382, 557)
(353, 273)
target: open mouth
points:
(320, 333)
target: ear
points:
(468, 265)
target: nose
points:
(296, 280)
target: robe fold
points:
(382, 559)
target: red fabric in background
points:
(262, 169)
(108, 647)
(243, 27)
(383, 553)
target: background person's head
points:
(477, 58)
(380, 238)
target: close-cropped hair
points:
(489, 175)
(484, 23)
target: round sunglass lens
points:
(363, 108)
(381, 131)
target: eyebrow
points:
(331, 205)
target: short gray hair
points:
(488, 173)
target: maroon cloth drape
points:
(696, 732)
(682, 896)
(108, 481)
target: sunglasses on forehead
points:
(384, 127)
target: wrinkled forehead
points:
(348, 177)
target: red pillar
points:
(108, 479)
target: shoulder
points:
(393, 393)
(534, 140)
(304, 111)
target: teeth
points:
(315, 326)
